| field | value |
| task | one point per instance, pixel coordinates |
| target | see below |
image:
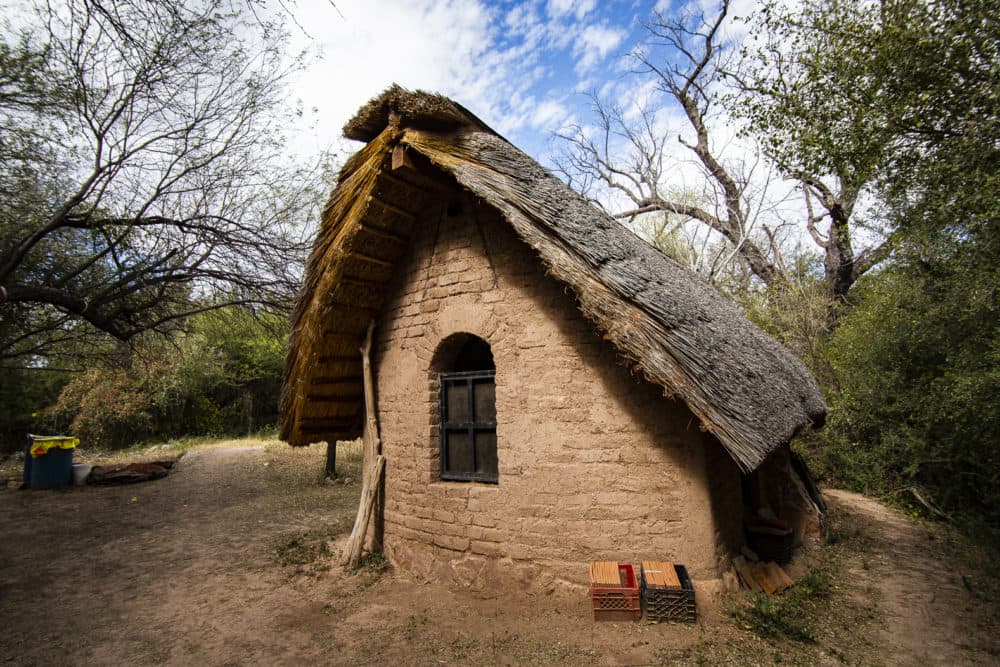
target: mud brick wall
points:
(594, 463)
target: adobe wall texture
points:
(593, 462)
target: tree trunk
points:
(371, 483)
(839, 260)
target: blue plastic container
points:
(54, 470)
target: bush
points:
(787, 615)
(222, 376)
(916, 383)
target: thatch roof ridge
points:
(417, 109)
(676, 329)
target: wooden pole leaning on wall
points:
(373, 465)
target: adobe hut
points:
(550, 389)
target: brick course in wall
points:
(594, 463)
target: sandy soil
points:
(227, 562)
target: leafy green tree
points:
(902, 95)
(693, 64)
(897, 100)
(23, 395)
(804, 88)
(252, 349)
(141, 169)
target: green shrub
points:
(222, 376)
(787, 614)
(917, 381)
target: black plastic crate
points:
(670, 604)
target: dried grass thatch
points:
(746, 389)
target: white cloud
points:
(594, 44)
(561, 8)
(549, 114)
(505, 63)
(436, 45)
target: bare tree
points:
(690, 65)
(688, 76)
(142, 180)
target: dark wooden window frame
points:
(471, 428)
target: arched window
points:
(468, 410)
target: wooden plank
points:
(327, 421)
(333, 303)
(334, 358)
(670, 578)
(308, 430)
(412, 168)
(392, 209)
(364, 282)
(772, 570)
(778, 573)
(401, 159)
(402, 182)
(331, 380)
(745, 573)
(760, 574)
(651, 571)
(661, 574)
(605, 573)
(368, 258)
(323, 398)
(344, 335)
(384, 233)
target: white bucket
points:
(81, 471)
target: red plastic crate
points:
(617, 603)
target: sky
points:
(522, 66)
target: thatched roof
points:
(678, 331)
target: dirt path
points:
(932, 615)
(226, 561)
(176, 571)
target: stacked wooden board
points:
(660, 575)
(768, 577)
(606, 573)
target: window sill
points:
(457, 483)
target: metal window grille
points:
(469, 426)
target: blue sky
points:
(519, 65)
(524, 67)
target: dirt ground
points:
(230, 560)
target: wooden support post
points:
(373, 466)
(331, 459)
(365, 510)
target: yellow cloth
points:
(40, 446)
